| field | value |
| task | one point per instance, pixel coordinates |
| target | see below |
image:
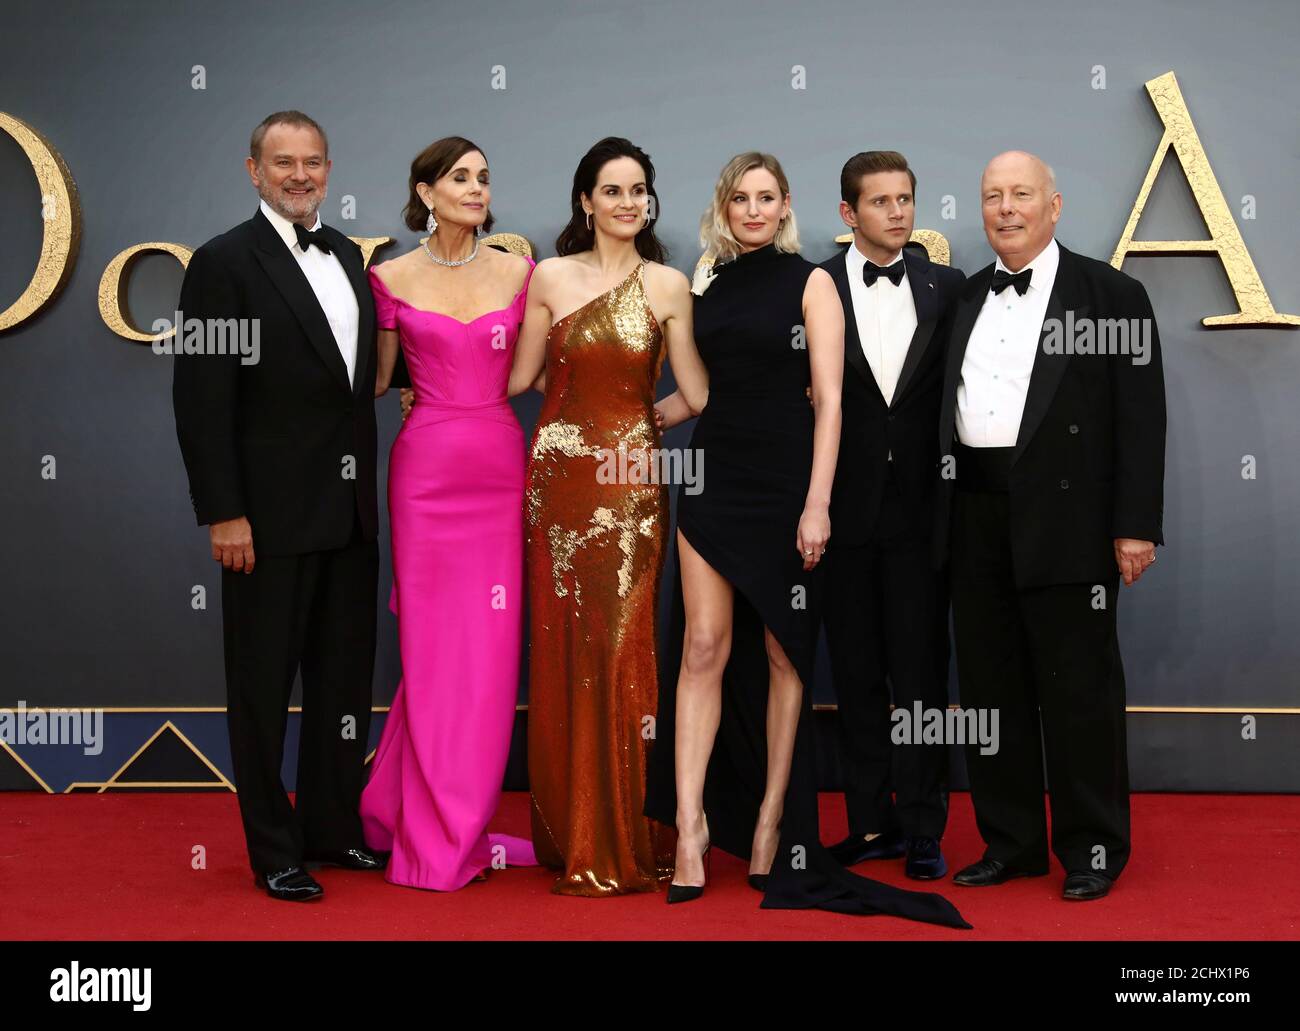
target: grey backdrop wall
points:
(100, 563)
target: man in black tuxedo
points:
(886, 614)
(280, 453)
(1056, 435)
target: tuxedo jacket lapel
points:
(289, 279)
(852, 342)
(925, 298)
(351, 263)
(1049, 368)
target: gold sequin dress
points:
(595, 553)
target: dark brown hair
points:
(295, 118)
(431, 164)
(867, 163)
(576, 237)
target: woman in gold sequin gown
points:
(596, 527)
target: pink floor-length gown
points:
(455, 500)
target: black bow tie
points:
(1002, 279)
(306, 238)
(871, 272)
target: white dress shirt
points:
(1000, 357)
(886, 319)
(329, 283)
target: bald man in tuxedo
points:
(1058, 453)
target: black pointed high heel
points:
(758, 881)
(691, 892)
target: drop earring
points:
(431, 226)
(588, 220)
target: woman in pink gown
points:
(455, 499)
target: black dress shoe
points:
(351, 859)
(855, 849)
(292, 885)
(1080, 887)
(990, 871)
(924, 860)
(758, 881)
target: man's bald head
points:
(1020, 204)
(1023, 163)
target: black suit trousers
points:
(886, 622)
(314, 611)
(1047, 659)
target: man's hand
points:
(232, 544)
(1133, 557)
(408, 399)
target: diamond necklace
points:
(450, 264)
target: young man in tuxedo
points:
(886, 613)
(280, 454)
(1058, 453)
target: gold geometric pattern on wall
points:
(120, 781)
(219, 782)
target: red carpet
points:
(119, 866)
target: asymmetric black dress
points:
(756, 438)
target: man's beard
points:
(292, 208)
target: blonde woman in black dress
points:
(733, 761)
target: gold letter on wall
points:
(113, 283)
(61, 213)
(1225, 238)
(112, 289)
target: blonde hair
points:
(719, 243)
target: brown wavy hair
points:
(431, 164)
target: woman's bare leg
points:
(707, 597)
(784, 698)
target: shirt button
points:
(1065, 485)
(1074, 428)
